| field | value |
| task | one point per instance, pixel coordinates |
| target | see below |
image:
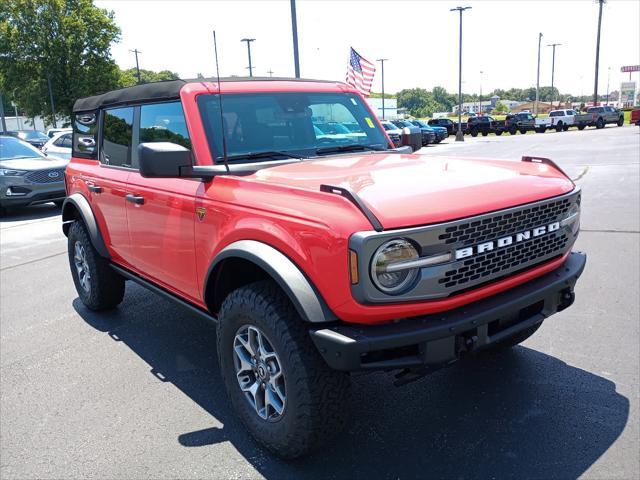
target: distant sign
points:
(630, 68)
(627, 93)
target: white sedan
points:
(59, 145)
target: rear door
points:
(161, 211)
(107, 183)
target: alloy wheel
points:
(82, 267)
(259, 372)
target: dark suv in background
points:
(443, 122)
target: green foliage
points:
(66, 40)
(500, 108)
(128, 78)
(422, 103)
(379, 95)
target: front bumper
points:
(439, 339)
(15, 191)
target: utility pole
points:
(53, 107)
(553, 66)
(459, 134)
(249, 40)
(595, 85)
(535, 107)
(4, 122)
(294, 31)
(136, 51)
(382, 60)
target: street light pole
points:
(595, 85)
(249, 40)
(382, 60)
(459, 134)
(535, 108)
(294, 31)
(553, 66)
(136, 52)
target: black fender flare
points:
(303, 295)
(76, 205)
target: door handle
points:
(94, 188)
(137, 199)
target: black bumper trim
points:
(440, 338)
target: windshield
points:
(32, 135)
(389, 126)
(12, 148)
(300, 122)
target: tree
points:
(500, 107)
(67, 41)
(128, 78)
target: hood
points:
(34, 163)
(412, 190)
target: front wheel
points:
(277, 382)
(474, 133)
(581, 127)
(600, 123)
(513, 131)
(498, 132)
(523, 131)
(98, 285)
(621, 121)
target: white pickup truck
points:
(561, 120)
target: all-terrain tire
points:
(105, 286)
(317, 399)
(514, 340)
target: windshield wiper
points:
(265, 154)
(347, 148)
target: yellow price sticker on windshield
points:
(369, 122)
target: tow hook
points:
(567, 298)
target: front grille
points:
(46, 176)
(505, 224)
(495, 263)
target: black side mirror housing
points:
(163, 159)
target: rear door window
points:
(117, 132)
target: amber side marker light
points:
(353, 267)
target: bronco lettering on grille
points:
(506, 241)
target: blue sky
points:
(419, 37)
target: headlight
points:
(393, 251)
(8, 172)
(572, 218)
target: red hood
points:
(410, 190)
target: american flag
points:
(360, 73)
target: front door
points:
(161, 211)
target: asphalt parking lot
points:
(135, 393)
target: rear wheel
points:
(541, 129)
(512, 131)
(581, 127)
(559, 127)
(279, 385)
(498, 132)
(474, 133)
(565, 128)
(485, 133)
(621, 121)
(523, 131)
(600, 123)
(98, 285)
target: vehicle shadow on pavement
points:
(33, 212)
(519, 414)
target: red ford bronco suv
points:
(316, 254)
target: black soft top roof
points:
(159, 91)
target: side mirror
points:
(163, 159)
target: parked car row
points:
(523, 122)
